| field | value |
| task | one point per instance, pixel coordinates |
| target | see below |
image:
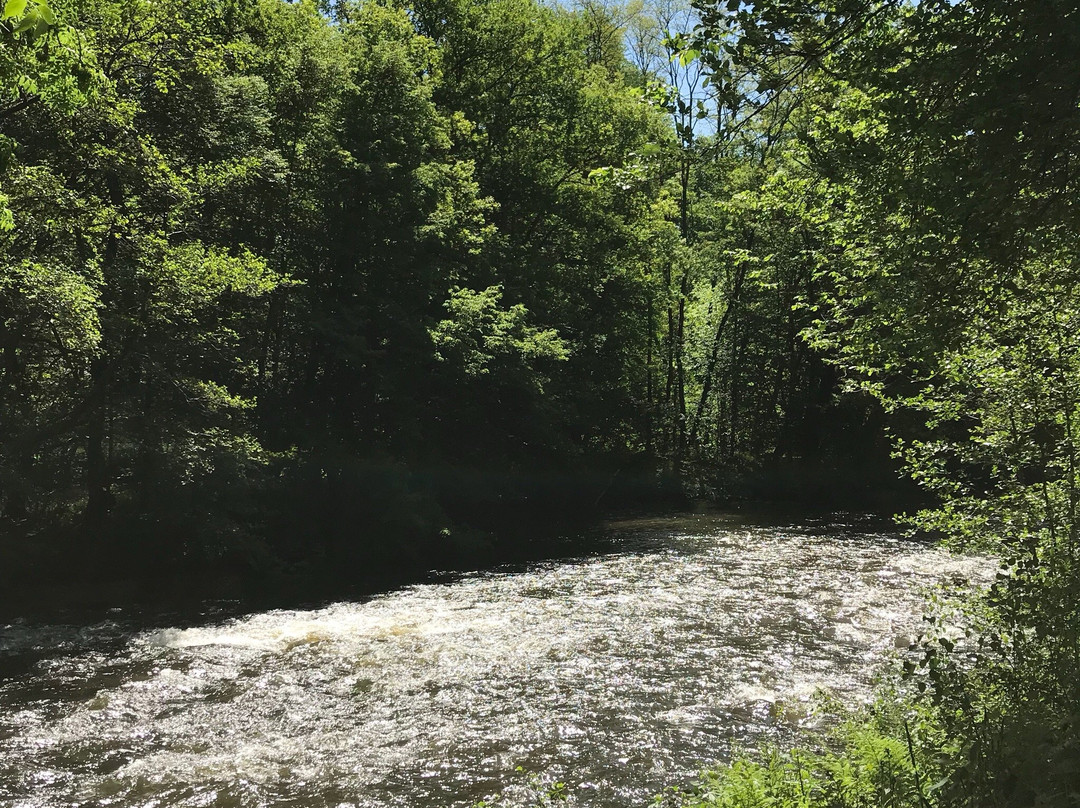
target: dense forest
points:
(296, 286)
(293, 286)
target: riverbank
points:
(352, 546)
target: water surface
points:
(618, 673)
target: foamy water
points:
(618, 674)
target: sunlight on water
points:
(618, 673)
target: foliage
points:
(929, 139)
(271, 272)
(263, 256)
(871, 763)
(480, 334)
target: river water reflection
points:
(617, 673)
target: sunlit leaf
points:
(14, 8)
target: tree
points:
(942, 174)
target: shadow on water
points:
(106, 615)
(140, 601)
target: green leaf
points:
(14, 8)
(688, 56)
(944, 781)
(47, 14)
(29, 21)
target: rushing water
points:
(617, 673)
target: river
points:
(618, 673)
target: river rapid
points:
(618, 673)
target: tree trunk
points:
(98, 494)
(714, 353)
